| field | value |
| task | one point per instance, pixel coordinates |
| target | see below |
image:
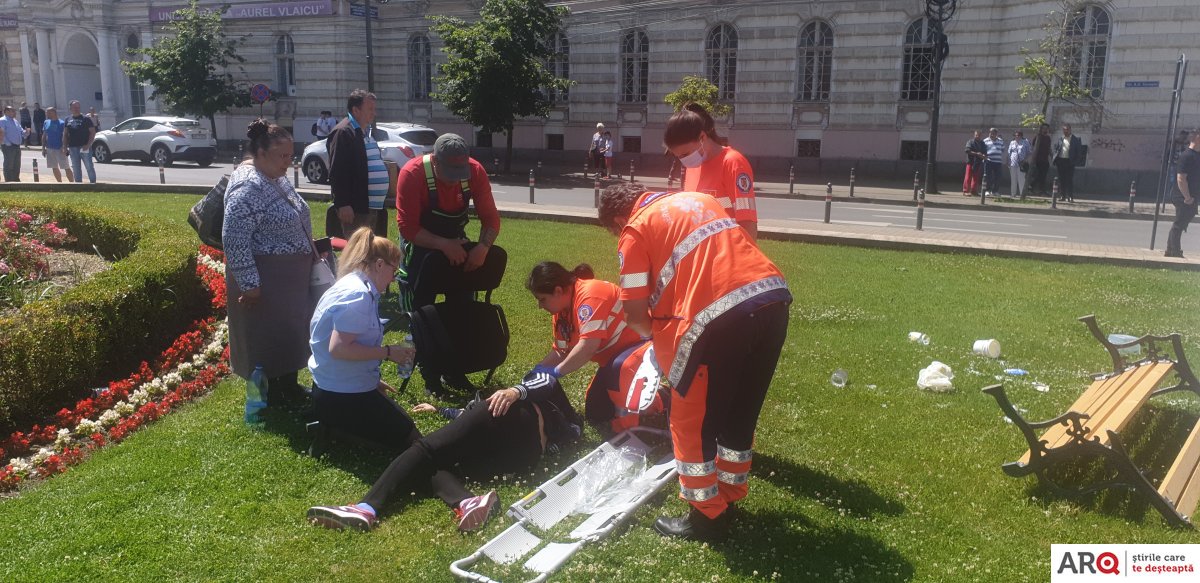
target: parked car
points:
(159, 140)
(398, 142)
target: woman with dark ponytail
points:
(588, 325)
(712, 168)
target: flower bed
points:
(189, 368)
(25, 241)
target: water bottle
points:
(404, 369)
(1134, 350)
(256, 395)
(919, 338)
(1016, 372)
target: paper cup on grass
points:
(989, 348)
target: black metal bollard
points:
(631, 171)
(162, 174)
(586, 164)
(916, 184)
(36, 179)
(828, 200)
(1054, 193)
(921, 211)
(496, 165)
(851, 182)
(596, 185)
(1132, 189)
(791, 179)
(531, 186)
(295, 174)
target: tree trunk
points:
(508, 151)
(212, 124)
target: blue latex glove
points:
(541, 368)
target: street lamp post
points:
(938, 12)
(370, 49)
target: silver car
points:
(398, 142)
(159, 140)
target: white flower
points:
(139, 397)
(172, 380)
(86, 428)
(123, 409)
(20, 465)
(155, 387)
(63, 439)
(109, 418)
(41, 455)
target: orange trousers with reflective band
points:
(712, 425)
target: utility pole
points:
(370, 48)
(938, 12)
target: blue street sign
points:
(357, 10)
(1140, 84)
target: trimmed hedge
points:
(52, 352)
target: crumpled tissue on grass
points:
(936, 377)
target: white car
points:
(159, 140)
(398, 142)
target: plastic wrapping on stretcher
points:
(606, 486)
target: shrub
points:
(52, 351)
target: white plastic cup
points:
(919, 337)
(989, 348)
(838, 378)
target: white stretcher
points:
(554, 501)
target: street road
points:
(1096, 231)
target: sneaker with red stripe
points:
(473, 513)
(341, 517)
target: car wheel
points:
(314, 170)
(101, 153)
(160, 155)
(204, 162)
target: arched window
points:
(919, 48)
(815, 62)
(720, 51)
(137, 91)
(559, 65)
(420, 68)
(285, 63)
(635, 67)
(5, 81)
(1088, 35)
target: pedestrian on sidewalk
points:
(607, 150)
(596, 150)
(80, 133)
(976, 155)
(1067, 153)
(994, 163)
(26, 123)
(13, 136)
(1187, 186)
(39, 120)
(1040, 161)
(54, 149)
(1018, 163)
(713, 168)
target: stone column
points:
(27, 69)
(108, 81)
(151, 104)
(45, 68)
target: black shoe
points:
(694, 526)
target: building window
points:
(815, 62)
(483, 139)
(914, 150)
(635, 67)
(720, 51)
(420, 68)
(919, 49)
(554, 141)
(808, 148)
(137, 91)
(5, 81)
(559, 65)
(285, 64)
(631, 144)
(1088, 36)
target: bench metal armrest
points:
(1027, 427)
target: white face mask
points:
(695, 159)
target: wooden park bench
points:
(1092, 427)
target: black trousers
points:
(474, 444)
(1184, 213)
(1066, 177)
(1037, 177)
(12, 163)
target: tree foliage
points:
(1050, 69)
(496, 67)
(697, 89)
(190, 68)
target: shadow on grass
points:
(1153, 440)
(853, 497)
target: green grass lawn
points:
(877, 481)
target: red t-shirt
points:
(412, 196)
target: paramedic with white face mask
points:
(712, 168)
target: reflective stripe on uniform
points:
(698, 494)
(730, 478)
(746, 204)
(635, 280)
(684, 351)
(593, 326)
(685, 248)
(614, 337)
(734, 455)
(726, 202)
(696, 469)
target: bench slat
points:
(1182, 483)
(1110, 402)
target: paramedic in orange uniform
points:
(717, 311)
(589, 324)
(712, 168)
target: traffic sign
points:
(1141, 84)
(360, 10)
(260, 93)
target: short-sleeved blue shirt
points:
(351, 306)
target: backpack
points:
(208, 216)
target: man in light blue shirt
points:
(14, 136)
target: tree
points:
(1052, 70)
(697, 89)
(496, 68)
(190, 69)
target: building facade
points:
(823, 84)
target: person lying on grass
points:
(508, 432)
